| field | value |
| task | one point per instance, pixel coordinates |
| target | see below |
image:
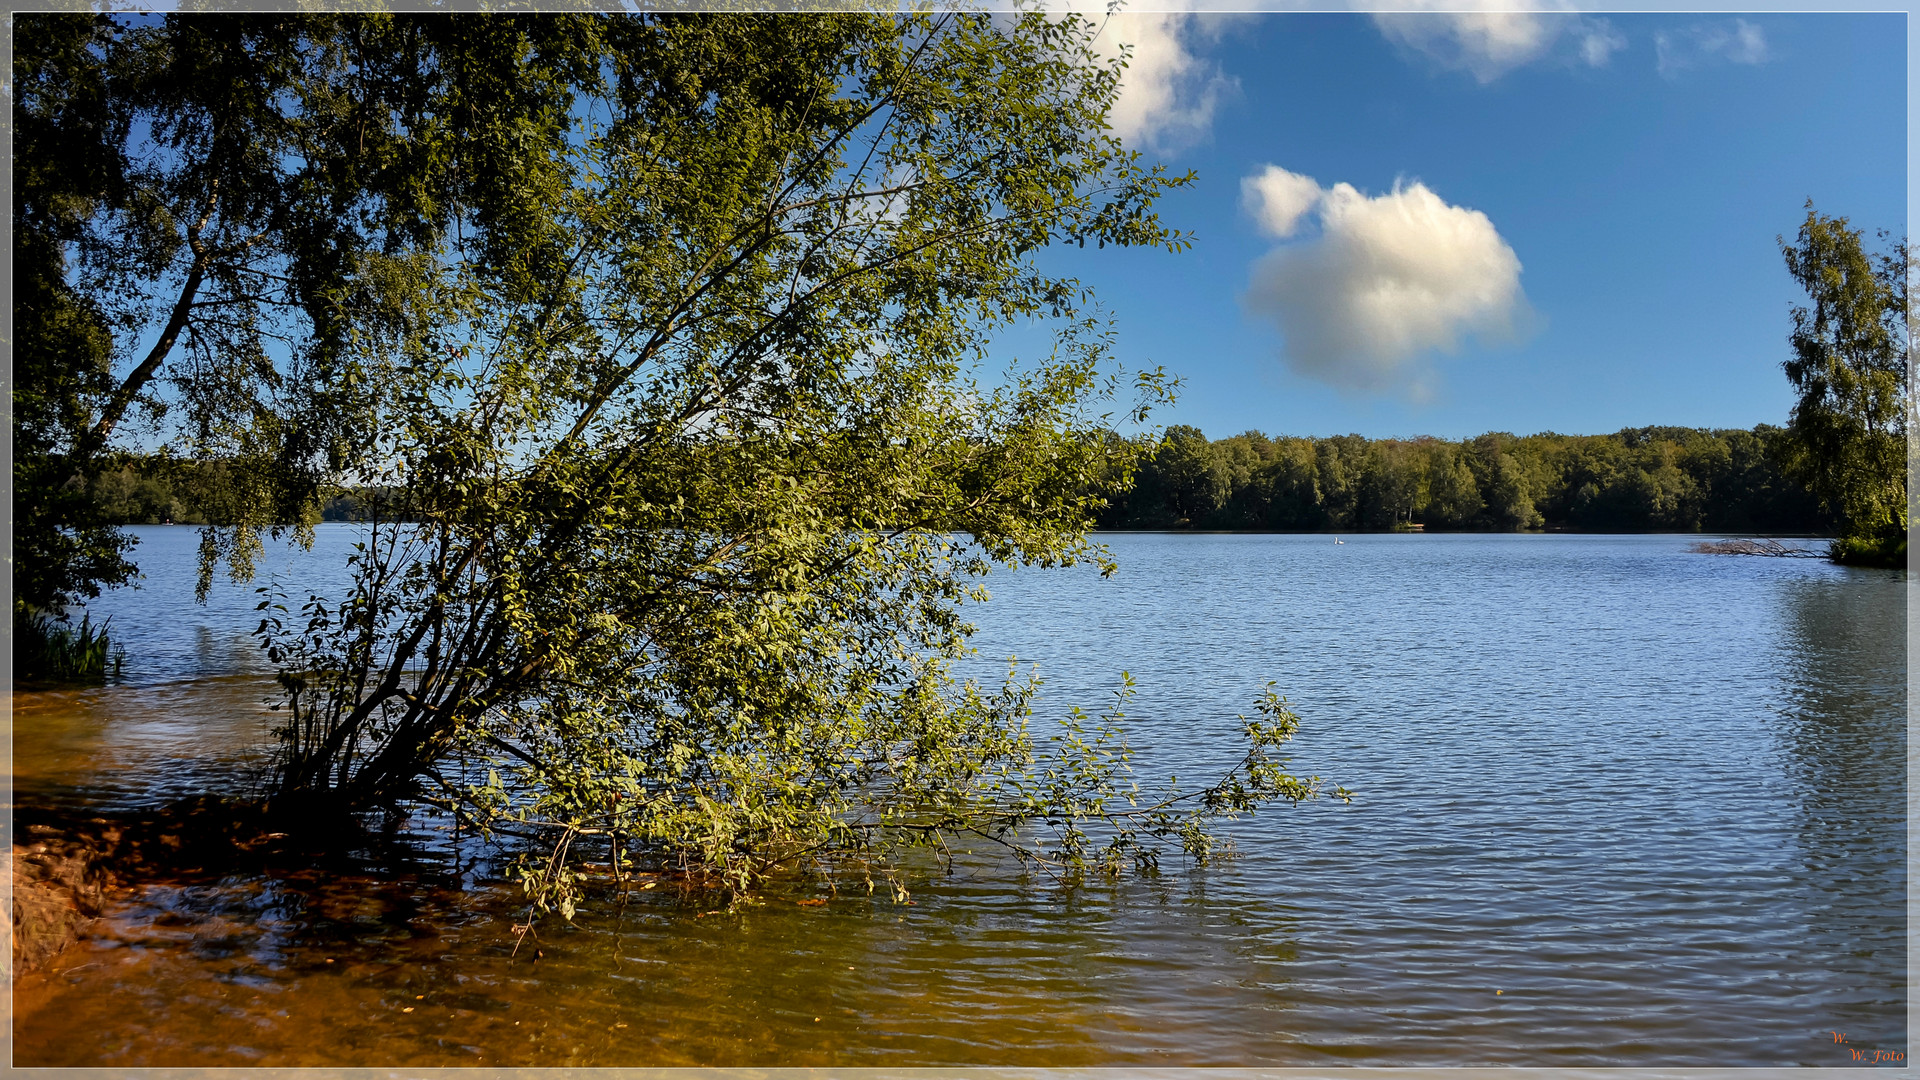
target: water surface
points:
(1617, 804)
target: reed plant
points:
(52, 649)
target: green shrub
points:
(1887, 551)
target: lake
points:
(1616, 803)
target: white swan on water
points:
(1337, 540)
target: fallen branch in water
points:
(1756, 547)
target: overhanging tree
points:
(681, 377)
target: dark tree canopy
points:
(210, 209)
(69, 168)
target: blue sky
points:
(1636, 168)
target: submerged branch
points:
(1761, 546)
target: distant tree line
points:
(1651, 479)
(138, 489)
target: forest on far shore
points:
(1651, 479)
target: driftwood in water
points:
(1756, 547)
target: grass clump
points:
(53, 649)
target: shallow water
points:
(1617, 804)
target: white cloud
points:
(1597, 40)
(1747, 44)
(1490, 38)
(1389, 279)
(1278, 199)
(1736, 42)
(890, 207)
(1168, 92)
